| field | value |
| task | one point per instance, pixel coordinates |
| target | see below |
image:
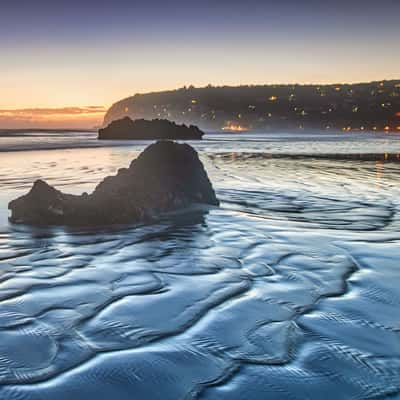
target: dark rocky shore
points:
(166, 176)
(141, 129)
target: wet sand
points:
(288, 290)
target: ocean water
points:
(289, 290)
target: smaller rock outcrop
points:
(141, 129)
(166, 176)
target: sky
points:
(62, 63)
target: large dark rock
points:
(166, 176)
(141, 129)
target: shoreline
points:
(312, 144)
(379, 156)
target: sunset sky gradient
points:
(62, 62)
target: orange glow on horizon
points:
(82, 117)
(235, 128)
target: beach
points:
(289, 289)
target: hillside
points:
(363, 106)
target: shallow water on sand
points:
(289, 290)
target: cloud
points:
(53, 111)
(86, 116)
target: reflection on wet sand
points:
(379, 169)
(288, 290)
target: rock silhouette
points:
(166, 176)
(141, 129)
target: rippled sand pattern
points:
(290, 290)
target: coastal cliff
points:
(360, 106)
